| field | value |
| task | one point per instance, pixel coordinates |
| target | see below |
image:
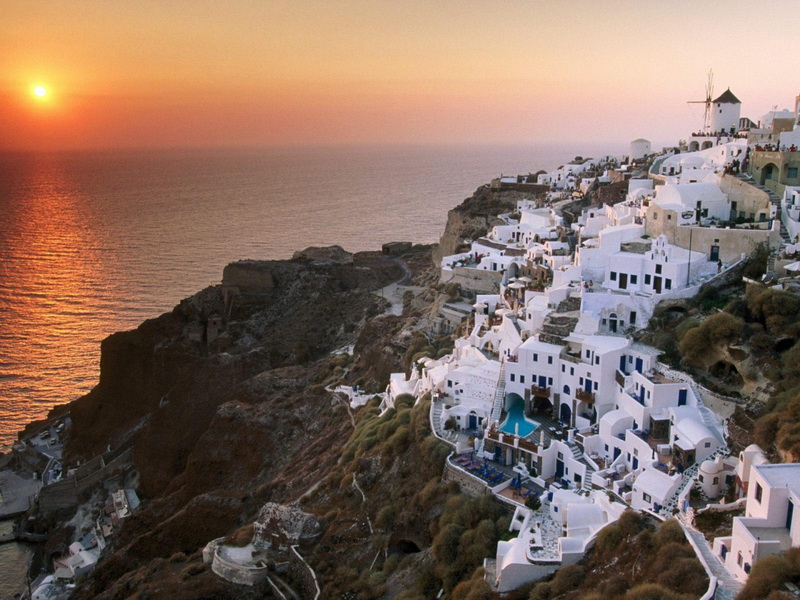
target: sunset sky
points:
(194, 73)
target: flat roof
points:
(782, 475)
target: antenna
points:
(707, 101)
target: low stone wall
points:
(65, 493)
(303, 575)
(475, 280)
(236, 573)
(469, 484)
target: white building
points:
(770, 525)
(639, 148)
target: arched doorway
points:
(612, 322)
(694, 146)
(565, 415)
(706, 145)
(769, 171)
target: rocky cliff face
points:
(474, 217)
(222, 422)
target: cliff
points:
(474, 217)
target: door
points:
(542, 381)
(623, 281)
(559, 469)
(622, 363)
(473, 422)
(617, 452)
(639, 365)
(713, 256)
(682, 397)
(789, 515)
(566, 414)
(587, 385)
(657, 284)
(635, 463)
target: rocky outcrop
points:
(330, 254)
(474, 217)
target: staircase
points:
(436, 418)
(727, 586)
(571, 304)
(776, 202)
(556, 327)
(577, 454)
(499, 396)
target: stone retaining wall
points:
(469, 484)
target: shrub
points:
(191, 571)
(768, 575)
(651, 591)
(668, 532)
(567, 579)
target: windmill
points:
(707, 101)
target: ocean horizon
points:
(94, 242)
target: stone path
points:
(727, 586)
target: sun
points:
(40, 91)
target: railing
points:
(585, 396)
(620, 378)
(540, 391)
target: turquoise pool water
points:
(516, 415)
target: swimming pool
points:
(516, 416)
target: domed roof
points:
(710, 466)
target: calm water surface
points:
(93, 243)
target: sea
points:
(96, 242)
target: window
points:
(700, 478)
(513, 377)
(658, 269)
(716, 480)
(759, 492)
(549, 360)
(596, 385)
(588, 353)
(560, 456)
(668, 284)
(634, 278)
(581, 380)
(646, 498)
(792, 174)
(450, 383)
(613, 275)
(739, 559)
(572, 371)
(563, 368)
(633, 317)
(669, 217)
(655, 216)
(535, 357)
(647, 279)
(597, 360)
(708, 444)
(549, 381)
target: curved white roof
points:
(693, 431)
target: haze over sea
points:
(93, 243)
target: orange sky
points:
(193, 73)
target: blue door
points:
(639, 365)
(617, 452)
(559, 469)
(682, 397)
(587, 385)
(635, 463)
(542, 382)
(566, 414)
(622, 363)
(473, 422)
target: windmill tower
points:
(708, 103)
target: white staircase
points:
(499, 396)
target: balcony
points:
(585, 396)
(620, 378)
(542, 392)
